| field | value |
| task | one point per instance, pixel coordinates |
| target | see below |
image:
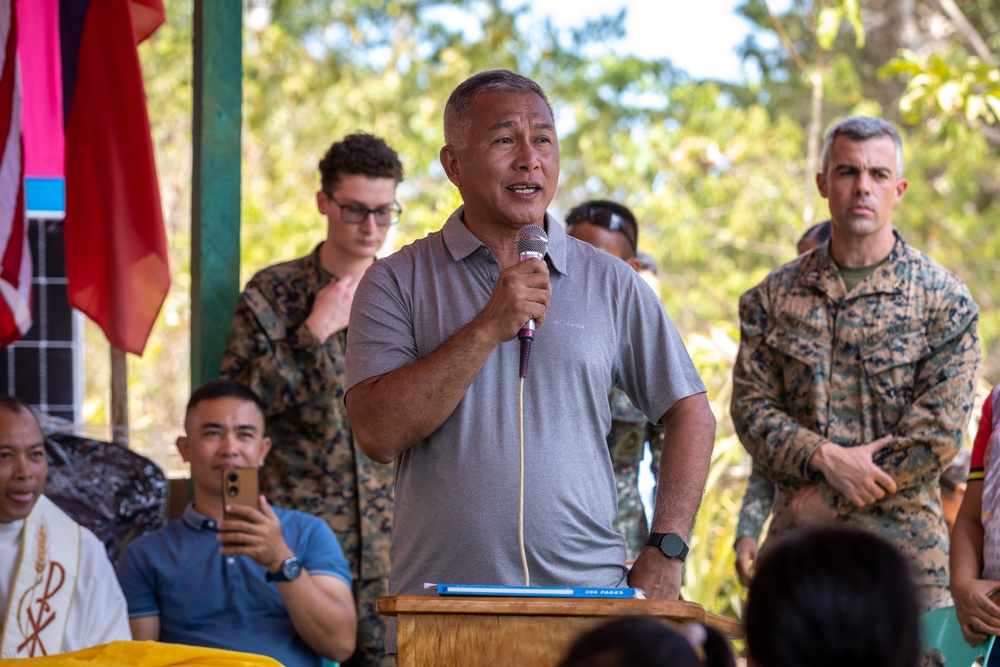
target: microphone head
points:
(532, 239)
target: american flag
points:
(15, 254)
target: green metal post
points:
(215, 192)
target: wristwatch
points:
(289, 571)
(670, 545)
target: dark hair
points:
(16, 406)
(224, 388)
(589, 211)
(362, 155)
(830, 597)
(641, 641)
(820, 233)
(648, 263)
(457, 110)
(862, 128)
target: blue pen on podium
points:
(494, 590)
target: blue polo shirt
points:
(204, 598)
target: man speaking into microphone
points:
(433, 375)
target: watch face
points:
(672, 545)
(291, 568)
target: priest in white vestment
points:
(58, 590)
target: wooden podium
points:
(529, 632)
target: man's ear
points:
(182, 447)
(265, 447)
(321, 202)
(901, 186)
(449, 160)
(821, 183)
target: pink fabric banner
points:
(41, 82)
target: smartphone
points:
(240, 486)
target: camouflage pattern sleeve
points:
(756, 507)
(758, 406)
(286, 368)
(930, 431)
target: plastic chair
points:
(941, 631)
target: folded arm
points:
(931, 430)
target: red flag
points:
(116, 245)
(15, 255)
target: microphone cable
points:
(520, 495)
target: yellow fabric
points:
(146, 654)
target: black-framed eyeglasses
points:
(356, 214)
(606, 218)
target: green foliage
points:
(947, 86)
(709, 571)
(829, 20)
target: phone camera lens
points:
(233, 491)
(233, 477)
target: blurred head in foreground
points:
(644, 641)
(832, 597)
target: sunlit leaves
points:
(828, 25)
(829, 20)
(947, 85)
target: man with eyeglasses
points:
(612, 227)
(287, 343)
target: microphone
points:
(532, 242)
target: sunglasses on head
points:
(606, 218)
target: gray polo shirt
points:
(456, 507)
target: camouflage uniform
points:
(314, 465)
(630, 430)
(756, 507)
(898, 355)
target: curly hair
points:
(359, 154)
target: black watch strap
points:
(670, 545)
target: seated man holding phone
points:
(233, 574)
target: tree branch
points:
(785, 39)
(968, 31)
